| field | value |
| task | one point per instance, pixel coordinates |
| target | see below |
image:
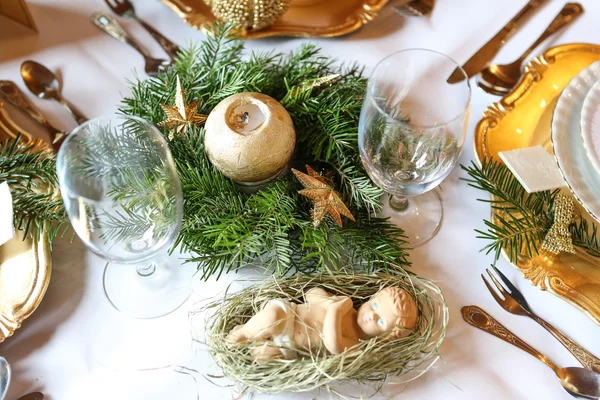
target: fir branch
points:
(521, 219)
(31, 175)
(585, 236)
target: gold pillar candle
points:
(249, 137)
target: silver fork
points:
(124, 8)
(111, 26)
(514, 302)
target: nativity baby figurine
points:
(325, 320)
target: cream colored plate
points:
(25, 267)
(567, 144)
(304, 18)
(590, 125)
(523, 119)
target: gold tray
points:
(25, 267)
(522, 119)
(304, 18)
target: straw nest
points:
(371, 361)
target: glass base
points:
(421, 219)
(149, 292)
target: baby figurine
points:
(325, 319)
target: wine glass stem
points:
(146, 269)
(398, 203)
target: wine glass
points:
(122, 193)
(411, 132)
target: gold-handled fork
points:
(514, 302)
(124, 8)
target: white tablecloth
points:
(61, 349)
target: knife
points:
(485, 54)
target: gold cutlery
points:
(415, 8)
(32, 396)
(486, 53)
(11, 93)
(111, 26)
(45, 85)
(514, 302)
(124, 8)
(578, 382)
(500, 79)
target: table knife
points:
(485, 54)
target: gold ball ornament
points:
(249, 137)
(248, 14)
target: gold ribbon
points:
(558, 238)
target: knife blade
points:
(487, 52)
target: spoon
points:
(4, 377)
(32, 396)
(578, 382)
(499, 79)
(44, 84)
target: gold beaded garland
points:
(559, 238)
(248, 14)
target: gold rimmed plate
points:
(523, 119)
(304, 18)
(25, 263)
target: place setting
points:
(276, 200)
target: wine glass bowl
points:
(411, 132)
(123, 197)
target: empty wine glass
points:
(411, 132)
(123, 196)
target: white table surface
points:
(61, 349)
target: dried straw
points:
(371, 361)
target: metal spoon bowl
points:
(45, 85)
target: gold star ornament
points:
(326, 199)
(182, 115)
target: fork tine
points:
(512, 289)
(493, 292)
(110, 4)
(501, 288)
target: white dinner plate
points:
(590, 125)
(573, 162)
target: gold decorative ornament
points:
(558, 238)
(336, 17)
(522, 119)
(314, 84)
(180, 117)
(248, 14)
(326, 199)
(249, 137)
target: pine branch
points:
(585, 236)
(521, 219)
(31, 175)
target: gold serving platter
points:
(25, 264)
(304, 18)
(523, 119)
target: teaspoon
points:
(44, 84)
(32, 396)
(500, 79)
(4, 377)
(578, 382)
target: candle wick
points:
(245, 116)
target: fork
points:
(124, 8)
(111, 26)
(415, 8)
(514, 302)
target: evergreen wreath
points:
(223, 228)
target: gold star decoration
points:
(182, 115)
(326, 199)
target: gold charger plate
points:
(523, 119)
(304, 18)
(25, 265)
